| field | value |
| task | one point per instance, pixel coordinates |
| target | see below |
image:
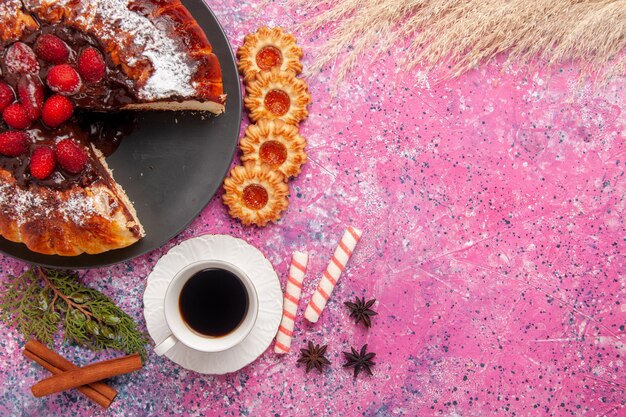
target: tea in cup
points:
(209, 306)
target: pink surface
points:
(494, 237)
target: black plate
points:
(170, 166)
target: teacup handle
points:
(163, 347)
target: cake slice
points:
(61, 56)
(90, 219)
(66, 214)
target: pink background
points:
(493, 210)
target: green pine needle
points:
(41, 300)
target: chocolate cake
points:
(61, 59)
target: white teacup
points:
(183, 333)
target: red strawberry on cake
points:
(31, 94)
(42, 162)
(64, 79)
(15, 116)
(20, 58)
(13, 143)
(71, 156)
(52, 49)
(91, 65)
(6, 95)
(57, 110)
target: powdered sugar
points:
(3, 196)
(24, 205)
(21, 204)
(172, 72)
(13, 9)
(9, 8)
(76, 208)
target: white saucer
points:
(251, 261)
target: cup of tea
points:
(209, 306)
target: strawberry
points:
(63, 79)
(42, 162)
(56, 110)
(13, 143)
(6, 95)
(91, 65)
(19, 58)
(16, 117)
(52, 49)
(71, 156)
(30, 92)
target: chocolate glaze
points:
(112, 92)
(104, 130)
(104, 134)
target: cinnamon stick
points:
(54, 359)
(87, 375)
(87, 390)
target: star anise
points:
(361, 310)
(359, 360)
(313, 357)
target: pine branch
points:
(41, 300)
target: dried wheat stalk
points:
(457, 35)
